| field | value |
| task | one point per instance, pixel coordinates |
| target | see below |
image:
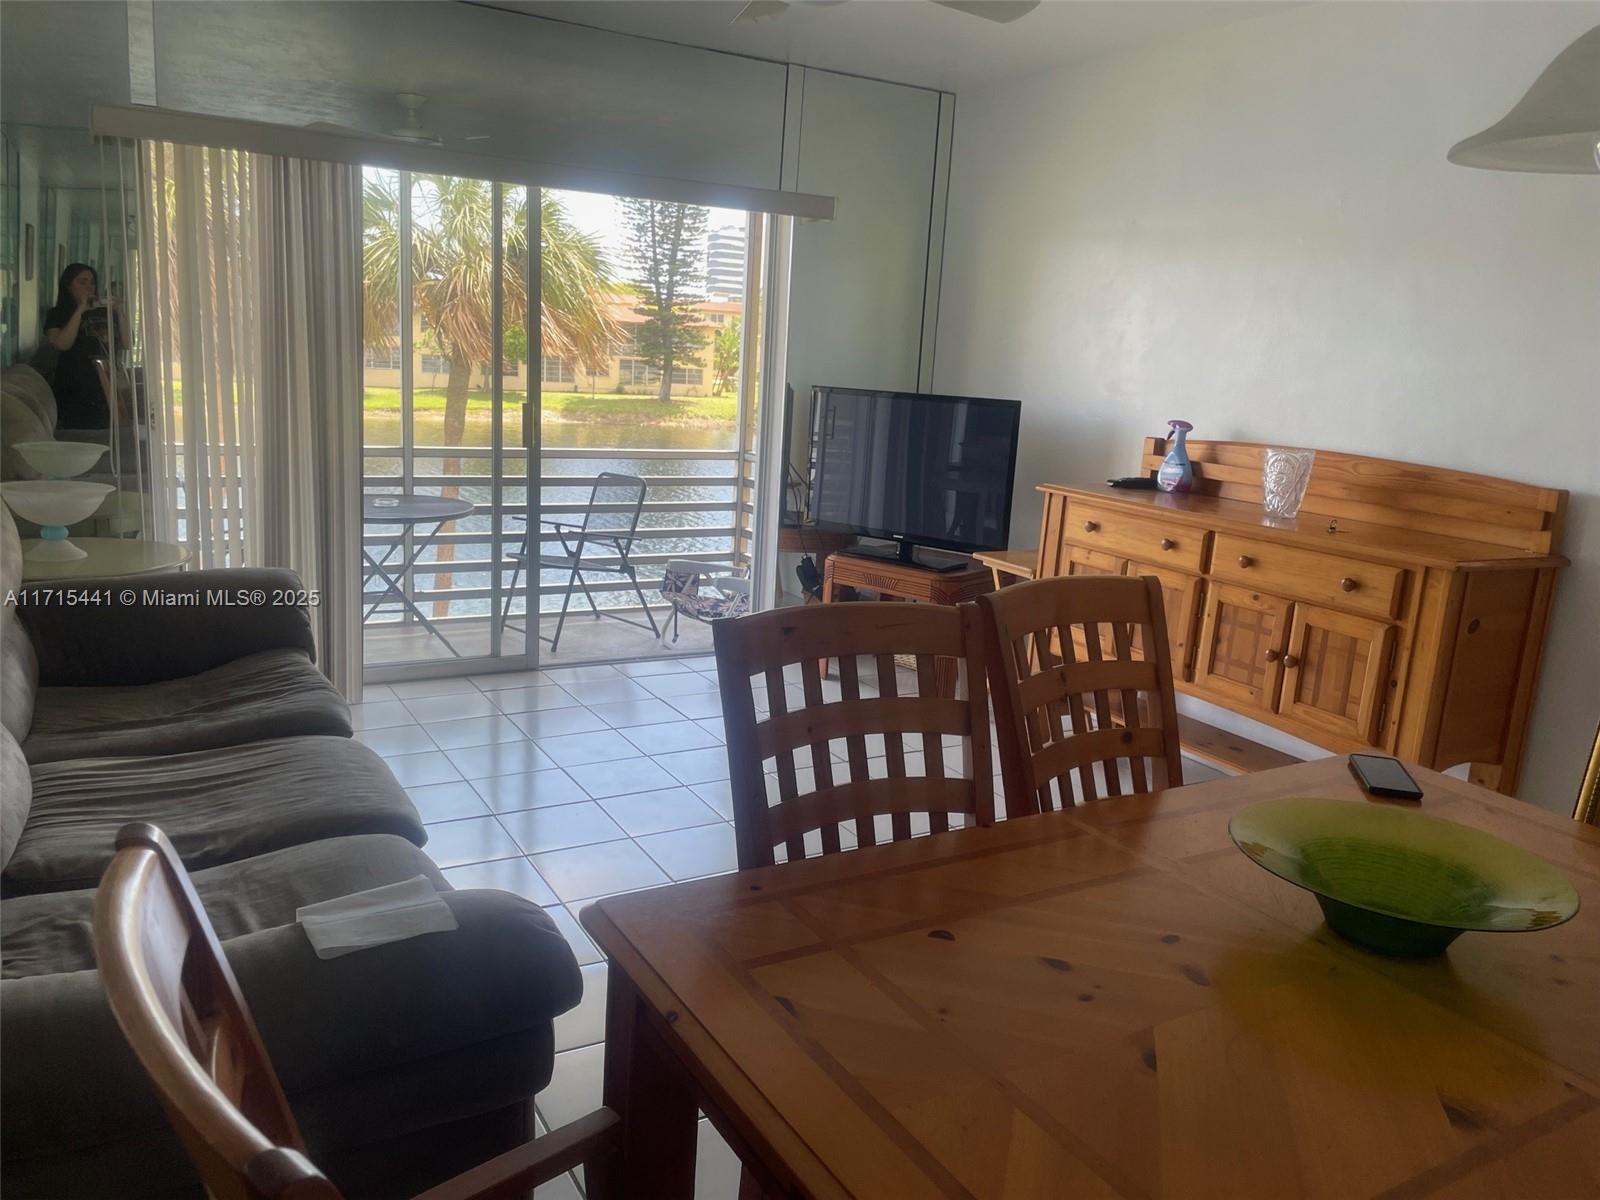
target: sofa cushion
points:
(51, 932)
(19, 675)
(16, 795)
(217, 806)
(33, 389)
(403, 1035)
(273, 694)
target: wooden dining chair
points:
(814, 794)
(1077, 690)
(181, 1010)
(1588, 806)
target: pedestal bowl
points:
(1399, 882)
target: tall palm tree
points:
(452, 282)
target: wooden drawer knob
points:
(1168, 544)
(1348, 584)
(1246, 561)
(1090, 526)
(1290, 662)
(1274, 655)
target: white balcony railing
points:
(696, 507)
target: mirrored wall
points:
(69, 321)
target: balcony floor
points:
(585, 639)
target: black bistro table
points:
(414, 511)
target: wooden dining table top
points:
(1113, 1001)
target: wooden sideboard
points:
(1404, 609)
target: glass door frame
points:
(495, 661)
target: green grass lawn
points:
(571, 406)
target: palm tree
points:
(452, 282)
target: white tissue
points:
(385, 914)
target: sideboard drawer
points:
(1346, 583)
(1152, 541)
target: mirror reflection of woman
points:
(79, 328)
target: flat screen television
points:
(920, 470)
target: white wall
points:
(1255, 228)
(856, 286)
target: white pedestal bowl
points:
(61, 460)
(53, 504)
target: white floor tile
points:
(415, 770)
(380, 714)
(447, 801)
(554, 722)
(657, 812)
(576, 749)
(453, 707)
(533, 699)
(479, 839)
(566, 825)
(501, 758)
(587, 871)
(696, 766)
(443, 686)
(668, 739)
(632, 713)
(515, 875)
(474, 731)
(393, 740)
(531, 789)
(586, 1024)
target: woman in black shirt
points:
(79, 328)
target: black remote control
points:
(1138, 483)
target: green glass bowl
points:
(1397, 882)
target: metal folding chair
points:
(610, 523)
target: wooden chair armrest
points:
(509, 1176)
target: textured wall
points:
(1255, 228)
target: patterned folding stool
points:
(694, 590)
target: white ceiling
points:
(908, 41)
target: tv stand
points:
(903, 554)
(892, 579)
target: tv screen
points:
(929, 470)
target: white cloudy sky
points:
(601, 215)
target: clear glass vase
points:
(1285, 472)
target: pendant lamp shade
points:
(1555, 128)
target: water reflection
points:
(708, 506)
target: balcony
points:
(697, 507)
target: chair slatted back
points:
(1077, 700)
(778, 709)
(180, 1008)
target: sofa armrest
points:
(68, 1080)
(179, 623)
(504, 969)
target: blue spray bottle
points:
(1176, 475)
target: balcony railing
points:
(665, 532)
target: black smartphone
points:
(1380, 775)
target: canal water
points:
(679, 526)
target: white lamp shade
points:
(1553, 129)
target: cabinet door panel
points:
(1241, 645)
(1336, 671)
(1180, 594)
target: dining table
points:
(1105, 1001)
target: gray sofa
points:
(405, 1063)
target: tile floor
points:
(569, 784)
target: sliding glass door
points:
(634, 394)
(444, 397)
